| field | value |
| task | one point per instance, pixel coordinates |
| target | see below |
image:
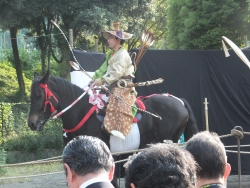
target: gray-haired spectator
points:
(88, 163)
(209, 152)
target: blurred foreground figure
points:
(161, 166)
(88, 163)
(210, 154)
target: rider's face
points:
(113, 43)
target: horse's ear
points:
(45, 79)
(36, 76)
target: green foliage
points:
(198, 24)
(2, 161)
(15, 134)
(2, 156)
(49, 138)
(6, 120)
(9, 91)
(31, 62)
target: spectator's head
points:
(161, 166)
(87, 156)
(209, 152)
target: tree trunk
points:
(13, 33)
(43, 58)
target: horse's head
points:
(43, 102)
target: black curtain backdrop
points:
(196, 75)
(89, 61)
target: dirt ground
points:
(58, 181)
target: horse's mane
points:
(62, 86)
(66, 88)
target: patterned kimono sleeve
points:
(103, 69)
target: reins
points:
(83, 121)
(72, 104)
(49, 95)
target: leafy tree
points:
(87, 18)
(152, 17)
(11, 15)
(199, 24)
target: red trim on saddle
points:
(140, 104)
(146, 97)
(48, 95)
(135, 120)
(86, 117)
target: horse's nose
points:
(32, 126)
(31, 122)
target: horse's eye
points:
(37, 97)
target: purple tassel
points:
(119, 34)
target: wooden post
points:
(71, 38)
(96, 45)
(245, 41)
(206, 114)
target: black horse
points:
(176, 117)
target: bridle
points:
(50, 99)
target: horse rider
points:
(117, 66)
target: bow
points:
(76, 65)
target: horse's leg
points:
(171, 126)
(147, 130)
(168, 129)
(191, 126)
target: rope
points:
(50, 158)
(234, 132)
(236, 146)
(243, 152)
(225, 136)
(31, 163)
(124, 160)
(248, 133)
(29, 176)
(237, 133)
(126, 152)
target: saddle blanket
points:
(131, 141)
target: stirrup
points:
(104, 130)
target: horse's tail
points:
(191, 127)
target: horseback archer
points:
(117, 66)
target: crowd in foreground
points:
(88, 163)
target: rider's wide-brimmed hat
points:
(117, 33)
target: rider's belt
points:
(114, 84)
